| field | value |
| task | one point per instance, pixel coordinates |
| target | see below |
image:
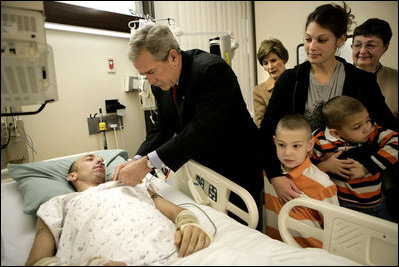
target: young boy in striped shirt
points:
(354, 151)
(294, 142)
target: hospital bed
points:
(233, 244)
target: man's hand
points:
(132, 172)
(285, 189)
(192, 239)
(338, 166)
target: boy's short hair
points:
(295, 121)
(337, 109)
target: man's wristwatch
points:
(149, 164)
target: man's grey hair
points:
(158, 40)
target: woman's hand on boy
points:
(285, 188)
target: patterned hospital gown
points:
(110, 220)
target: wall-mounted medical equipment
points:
(222, 45)
(27, 63)
(147, 99)
(146, 20)
(112, 105)
(93, 122)
(102, 126)
(111, 121)
(14, 141)
(131, 84)
(121, 113)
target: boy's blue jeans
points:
(380, 210)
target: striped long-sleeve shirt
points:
(380, 151)
(314, 184)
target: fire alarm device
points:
(110, 64)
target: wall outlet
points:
(17, 149)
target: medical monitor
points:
(27, 63)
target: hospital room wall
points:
(83, 86)
(285, 20)
(83, 83)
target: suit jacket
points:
(211, 123)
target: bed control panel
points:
(197, 190)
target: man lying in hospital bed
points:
(111, 222)
(233, 243)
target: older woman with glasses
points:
(370, 42)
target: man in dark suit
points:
(201, 113)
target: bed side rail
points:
(5, 176)
(354, 235)
(207, 187)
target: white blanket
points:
(121, 223)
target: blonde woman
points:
(272, 56)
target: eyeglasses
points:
(368, 46)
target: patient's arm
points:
(169, 209)
(43, 245)
(191, 238)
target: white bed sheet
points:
(17, 228)
(234, 243)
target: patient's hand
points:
(115, 263)
(191, 240)
(102, 261)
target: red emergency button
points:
(111, 64)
